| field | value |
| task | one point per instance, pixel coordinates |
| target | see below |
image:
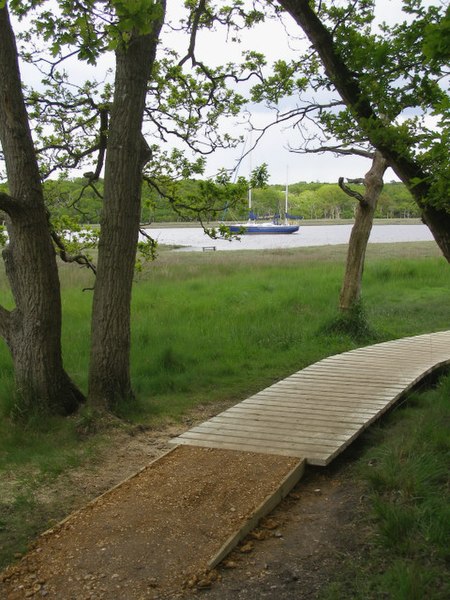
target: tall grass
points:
(216, 326)
(221, 333)
(406, 478)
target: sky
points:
(283, 165)
(282, 40)
(272, 39)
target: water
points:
(318, 235)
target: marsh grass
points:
(353, 323)
(218, 332)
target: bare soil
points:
(153, 536)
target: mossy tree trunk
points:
(32, 330)
(127, 153)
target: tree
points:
(103, 123)
(33, 329)
(127, 154)
(378, 77)
(350, 293)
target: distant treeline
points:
(308, 200)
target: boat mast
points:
(250, 175)
(286, 194)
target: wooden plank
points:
(269, 433)
(326, 408)
(311, 409)
(284, 430)
(282, 424)
(350, 375)
(349, 393)
(322, 396)
(374, 398)
(263, 430)
(305, 416)
(340, 379)
(314, 400)
(342, 386)
(402, 353)
(321, 459)
(413, 374)
(269, 445)
(302, 411)
(337, 372)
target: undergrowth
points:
(353, 323)
(406, 477)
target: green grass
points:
(222, 332)
(210, 327)
(405, 474)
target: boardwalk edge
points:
(266, 506)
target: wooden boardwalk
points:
(184, 512)
(315, 413)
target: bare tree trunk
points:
(127, 153)
(405, 166)
(351, 288)
(33, 329)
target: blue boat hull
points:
(250, 229)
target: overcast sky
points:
(279, 41)
(272, 40)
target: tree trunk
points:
(351, 288)
(33, 329)
(382, 137)
(438, 221)
(109, 372)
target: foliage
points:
(391, 75)
(187, 100)
(170, 200)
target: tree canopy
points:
(369, 84)
(161, 108)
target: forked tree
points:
(379, 75)
(350, 294)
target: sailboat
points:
(273, 227)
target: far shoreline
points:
(302, 223)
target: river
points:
(192, 238)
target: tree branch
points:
(102, 144)
(335, 150)
(195, 24)
(81, 259)
(7, 203)
(383, 137)
(5, 323)
(352, 193)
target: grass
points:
(405, 474)
(208, 327)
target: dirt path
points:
(317, 529)
(291, 556)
